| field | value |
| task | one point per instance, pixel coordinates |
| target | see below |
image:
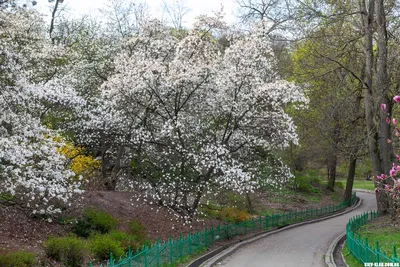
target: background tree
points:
(176, 12)
(180, 147)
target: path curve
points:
(303, 246)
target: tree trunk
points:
(350, 180)
(249, 203)
(111, 183)
(332, 161)
(375, 94)
(382, 89)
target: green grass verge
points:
(186, 259)
(360, 184)
(349, 258)
(386, 235)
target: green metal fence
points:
(360, 248)
(167, 253)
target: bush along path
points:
(173, 251)
(364, 251)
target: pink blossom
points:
(396, 98)
(387, 120)
(379, 178)
(398, 157)
(392, 172)
(376, 190)
(387, 187)
(383, 106)
(383, 176)
(389, 141)
(394, 122)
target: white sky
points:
(197, 7)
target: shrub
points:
(82, 228)
(17, 259)
(94, 220)
(100, 220)
(234, 215)
(103, 245)
(303, 184)
(70, 250)
(137, 229)
(210, 209)
(126, 240)
(53, 248)
(306, 181)
(81, 164)
(237, 200)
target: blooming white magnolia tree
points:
(32, 173)
(193, 116)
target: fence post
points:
(146, 263)
(171, 253)
(111, 260)
(189, 238)
(212, 234)
(394, 254)
(158, 252)
(377, 252)
(129, 256)
(206, 235)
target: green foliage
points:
(94, 220)
(137, 229)
(6, 197)
(307, 181)
(209, 210)
(17, 259)
(125, 240)
(339, 185)
(230, 214)
(103, 245)
(70, 250)
(82, 228)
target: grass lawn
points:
(360, 184)
(382, 231)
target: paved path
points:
(297, 247)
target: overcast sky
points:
(197, 7)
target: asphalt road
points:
(301, 246)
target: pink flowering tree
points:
(193, 117)
(390, 184)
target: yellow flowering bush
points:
(80, 163)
